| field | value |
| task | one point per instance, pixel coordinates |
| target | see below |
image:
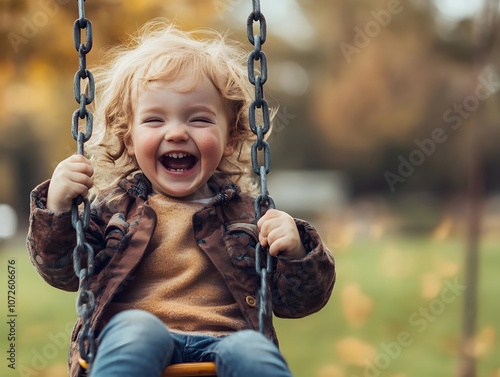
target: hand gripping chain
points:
(263, 268)
(83, 253)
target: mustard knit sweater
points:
(176, 281)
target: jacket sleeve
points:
(303, 286)
(50, 242)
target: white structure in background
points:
(458, 10)
(8, 222)
(308, 192)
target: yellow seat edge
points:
(190, 369)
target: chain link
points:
(83, 253)
(263, 269)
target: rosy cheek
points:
(146, 144)
(213, 153)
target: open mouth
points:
(178, 162)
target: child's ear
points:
(228, 150)
(230, 146)
(129, 145)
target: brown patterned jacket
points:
(224, 229)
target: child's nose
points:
(177, 133)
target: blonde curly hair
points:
(161, 51)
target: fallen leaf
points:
(431, 285)
(396, 264)
(484, 341)
(448, 269)
(356, 306)
(353, 351)
(330, 371)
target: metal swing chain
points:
(83, 253)
(263, 268)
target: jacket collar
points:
(138, 186)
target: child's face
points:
(179, 136)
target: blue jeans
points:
(136, 343)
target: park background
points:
(386, 138)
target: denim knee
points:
(133, 343)
(249, 353)
(132, 325)
(248, 341)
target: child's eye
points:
(152, 120)
(202, 120)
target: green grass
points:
(45, 316)
(389, 272)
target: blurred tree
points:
(487, 24)
(388, 77)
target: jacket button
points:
(251, 301)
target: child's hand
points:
(277, 230)
(72, 177)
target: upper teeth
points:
(178, 155)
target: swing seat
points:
(206, 369)
(190, 370)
